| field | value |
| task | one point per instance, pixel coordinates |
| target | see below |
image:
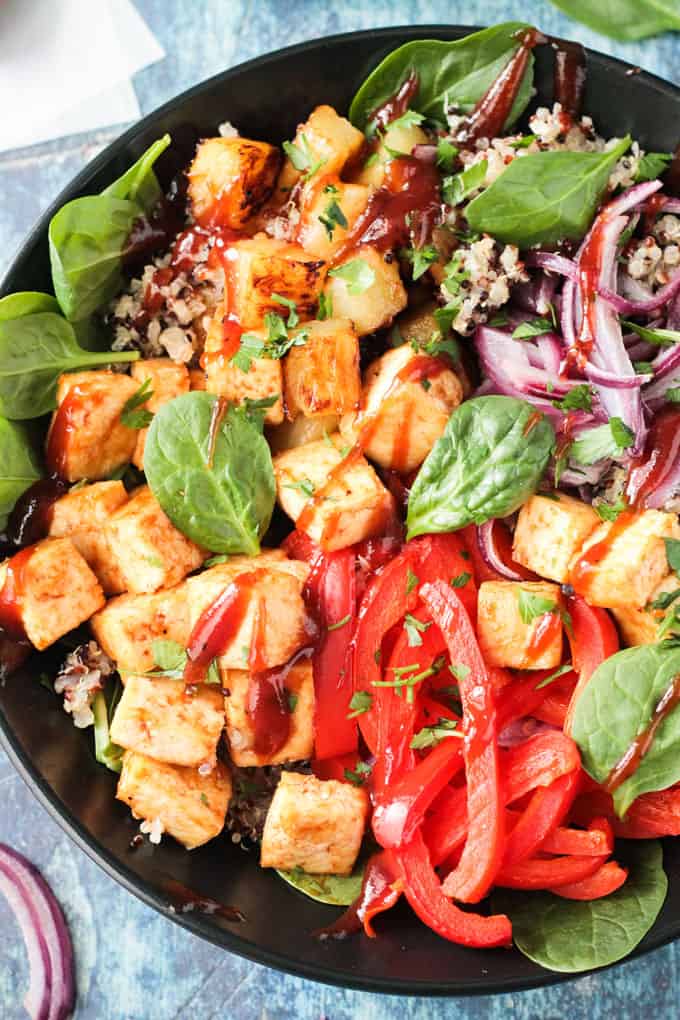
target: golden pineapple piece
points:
(373, 294)
(229, 179)
(321, 376)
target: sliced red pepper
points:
(550, 873)
(381, 888)
(553, 709)
(606, 880)
(547, 808)
(578, 842)
(299, 546)
(593, 638)
(336, 767)
(651, 816)
(483, 850)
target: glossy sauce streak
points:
(582, 570)
(187, 901)
(220, 408)
(651, 468)
(32, 514)
(397, 105)
(63, 425)
(569, 75)
(532, 422)
(639, 747)
(545, 633)
(380, 890)
(156, 231)
(589, 275)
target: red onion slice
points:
(520, 730)
(487, 547)
(601, 377)
(624, 306)
(555, 263)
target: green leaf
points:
(357, 274)
(532, 605)
(673, 553)
(414, 628)
(325, 309)
(560, 671)
(610, 511)
(460, 580)
(134, 415)
(545, 197)
(600, 442)
(430, 736)
(139, 183)
(19, 466)
(360, 702)
(446, 154)
(225, 507)
(626, 20)
(488, 462)
(333, 217)
(652, 165)
(616, 706)
(26, 302)
(338, 890)
(302, 158)
(456, 189)
(169, 655)
(34, 351)
(658, 337)
(571, 936)
(579, 398)
(106, 752)
(532, 328)
(449, 73)
(360, 774)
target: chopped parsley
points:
(134, 415)
(430, 736)
(579, 398)
(446, 154)
(361, 701)
(414, 628)
(610, 511)
(532, 605)
(304, 485)
(360, 773)
(560, 671)
(532, 328)
(325, 309)
(333, 217)
(460, 580)
(357, 274)
(411, 581)
(302, 157)
(341, 623)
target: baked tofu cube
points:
(261, 266)
(329, 208)
(321, 377)
(505, 639)
(80, 515)
(263, 380)
(300, 431)
(314, 824)
(401, 138)
(54, 588)
(336, 504)
(186, 805)
(128, 626)
(377, 304)
(418, 325)
(633, 564)
(166, 379)
(149, 550)
(410, 398)
(640, 626)
(229, 179)
(325, 140)
(86, 434)
(299, 685)
(276, 590)
(158, 718)
(197, 378)
(550, 531)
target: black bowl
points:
(266, 98)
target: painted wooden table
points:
(133, 964)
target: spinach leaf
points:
(571, 935)
(338, 890)
(616, 706)
(224, 507)
(88, 236)
(449, 74)
(105, 751)
(545, 197)
(624, 19)
(26, 302)
(457, 188)
(489, 460)
(34, 351)
(18, 466)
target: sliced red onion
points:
(536, 295)
(487, 547)
(632, 198)
(624, 306)
(666, 367)
(555, 263)
(520, 730)
(673, 317)
(51, 991)
(601, 377)
(671, 205)
(568, 313)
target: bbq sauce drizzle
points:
(630, 761)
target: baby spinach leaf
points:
(139, 183)
(34, 351)
(457, 188)
(624, 19)
(571, 936)
(18, 466)
(545, 197)
(617, 706)
(489, 460)
(26, 302)
(449, 74)
(338, 890)
(224, 506)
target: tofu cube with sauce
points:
(640, 626)
(401, 138)
(314, 824)
(241, 735)
(47, 591)
(407, 400)
(186, 805)
(550, 531)
(260, 266)
(166, 379)
(149, 550)
(87, 438)
(81, 515)
(505, 638)
(336, 499)
(159, 718)
(376, 305)
(127, 626)
(329, 141)
(229, 179)
(321, 376)
(329, 208)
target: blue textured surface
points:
(133, 964)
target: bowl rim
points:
(113, 866)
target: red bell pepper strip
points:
(553, 709)
(578, 842)
(593, 638)
(381, 888)
(651, 816)
(425, 893)
(547, 808)
(606, 880)
(550, 873)
(483, 850)
(299, 546)
(336, 767)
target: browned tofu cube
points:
(80, 515)
(550, 531)
(327, 141)
(321, 377)
(314, 824)
(372, 296)
(410, 397)
(505, 638)
(149, 550)
(159, 718)
(197, 376)
(630, 562)
(329, 209)
(50, 590)
(128, 626)
(335, 504)
(229, 180)
(182, 802)
(166, 379)
(640, 626)
(87, 437)
(299, 684)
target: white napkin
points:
(65, 67)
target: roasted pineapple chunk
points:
(321, 376)
(300, 431)
(329, 208)
(299, 685)
(80, 515)
(504, 636)
(166, 379)
(401, 138)
(418, 326)
(87, 436)
(550, 531)
(150, 552)
(128, 626)
(640, 626)
(337, 509)
(54, 590)
(407, 400)
(314, 824)
(158, 718)
(376, 304)
(326, 142)
(185, 804)
(229, 180)
(197, 376)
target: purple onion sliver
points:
(626, 307)
(520, 730)
(490, 555)
(555, 263)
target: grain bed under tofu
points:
(81, 515)
(504, 638)
(550, 532)
(230, 178)
(167, 379)
(127, 626)
(377, 305)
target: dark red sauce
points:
(397, 105)
(569, 75)
(187, 901)
(589, 274)
(639, 747)
(156, 231)
(657, 462)
(546, 632)
(380, 890)
(582, 570)
(32, 514)
(63, 425)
